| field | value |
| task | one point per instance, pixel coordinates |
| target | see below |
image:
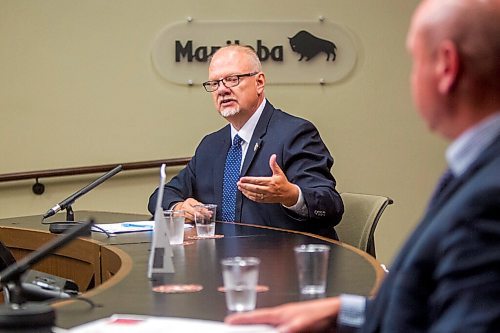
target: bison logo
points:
(309, 46)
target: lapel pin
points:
(256, 147)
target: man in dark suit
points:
(447, 275)
(283, 163)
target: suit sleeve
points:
(178, 189)
(307, 163)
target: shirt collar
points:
(467, 147)
(246, 131)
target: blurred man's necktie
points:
(443, 182)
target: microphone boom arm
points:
(71, 199)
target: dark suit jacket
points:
(447, 276)
(301, 154)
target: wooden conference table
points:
(112, 272)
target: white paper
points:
(129, 226)
(124, 227)
(121, 323)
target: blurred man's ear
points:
(447, 66)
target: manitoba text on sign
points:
(290, 52)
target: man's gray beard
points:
(228, 113)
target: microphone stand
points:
(70, 215)
(61, 227)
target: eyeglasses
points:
(228, 81)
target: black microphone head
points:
(49, 213)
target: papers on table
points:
(134, 323)
(126, 227)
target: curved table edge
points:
(379, 271)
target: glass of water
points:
(204, 218)
(312, 268)
(240, 275)
(175, 225)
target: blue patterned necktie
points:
(231, 176)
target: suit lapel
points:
(486, 156)
(219, 164)
(445, 195)
(257, 137)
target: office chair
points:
(361, 215)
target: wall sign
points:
(290, 52)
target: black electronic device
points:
(60, 227)
(18, 315)
(40, 286)
(36, 285)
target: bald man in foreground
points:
(447, 275)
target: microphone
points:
(60, 227)
(21, 316)
(69, 200)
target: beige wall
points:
(77, 88)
